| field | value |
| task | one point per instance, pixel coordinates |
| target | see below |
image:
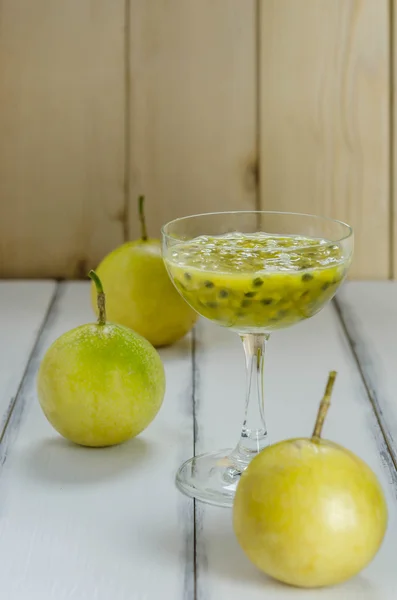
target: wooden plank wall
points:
(192, 107)
(324, 130)
(202, 106)
(61, 135)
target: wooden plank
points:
(393, 145)
(62, 135)
(192, 108)
(324, 117)
(369, 313)
(298, 362)
(23, 309)
(97, 524)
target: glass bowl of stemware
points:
(253, 272)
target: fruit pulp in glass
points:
(257, 281)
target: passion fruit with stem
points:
(141, 294)
(308, 512)
(100, 384)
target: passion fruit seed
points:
(245, 303)
(307, 277)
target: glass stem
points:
(253, 436)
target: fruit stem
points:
(324, 406)
(100, 297)
(141, 203)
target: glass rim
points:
(349, 228)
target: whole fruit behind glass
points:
(309, 512)
(100, 384)
(141, 294)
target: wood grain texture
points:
(61, 135)
(297, 366)
(23, 310)
(369, 313)
(324, 117)
(393, 133)
(192, 108)
(109, 523)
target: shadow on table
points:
(219, 558)
(227, 561)
(58, 461)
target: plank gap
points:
(258, 179)
(127, 118)
(391, 139)
(73, 486)
(222, 569)
(371, 395)
(32, 354)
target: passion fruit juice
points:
(252, 282)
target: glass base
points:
(211, 478)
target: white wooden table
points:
(108, 524)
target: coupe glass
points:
(252, 272)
